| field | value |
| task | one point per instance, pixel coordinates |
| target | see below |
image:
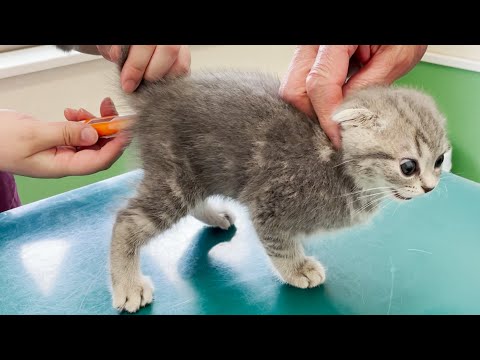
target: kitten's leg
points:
(288, 258)
(217, 216)
(141, 220)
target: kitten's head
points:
(393, 139)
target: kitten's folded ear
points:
(360, 117)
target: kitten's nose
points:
(427, 189)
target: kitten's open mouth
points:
(398, 196)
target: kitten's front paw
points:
(132, 296)
(308, 273)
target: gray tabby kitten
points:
(229, 133)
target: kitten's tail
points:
(67, 48)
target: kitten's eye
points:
(408, 167)
(439, 162)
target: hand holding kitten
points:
(318, 77)
(143, 62)
(149, 62)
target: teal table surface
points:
(419, 257)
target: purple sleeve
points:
(8, 192)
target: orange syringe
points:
(109, 126)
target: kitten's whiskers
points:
(346, 161)
(365, 190)
(370, 203)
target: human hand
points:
(316, 81)
(35, 148)
(149, 62)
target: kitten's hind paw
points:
(225, 220)
(308, 273)
(132, 296)
(214, 216)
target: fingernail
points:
(89, 136)
(67, 111)
(129, 86)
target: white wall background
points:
(46, 93)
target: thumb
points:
(65, 133)
(324, 85)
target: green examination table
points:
(422, 257)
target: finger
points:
(66, 161)
(363, 53)
(379, 71)
(387, 65)
(115, 52)
(293, 88)
(104, 50)
(77, 115)
(107, 108)
(70, 114)
(100, 143)
(134, 68)
(361, 56)
(331, 100)
(324, 85)
(65, 133)
(87, 162)
(162, 60)
(181, 66)
(83, 114)
(92, 147)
